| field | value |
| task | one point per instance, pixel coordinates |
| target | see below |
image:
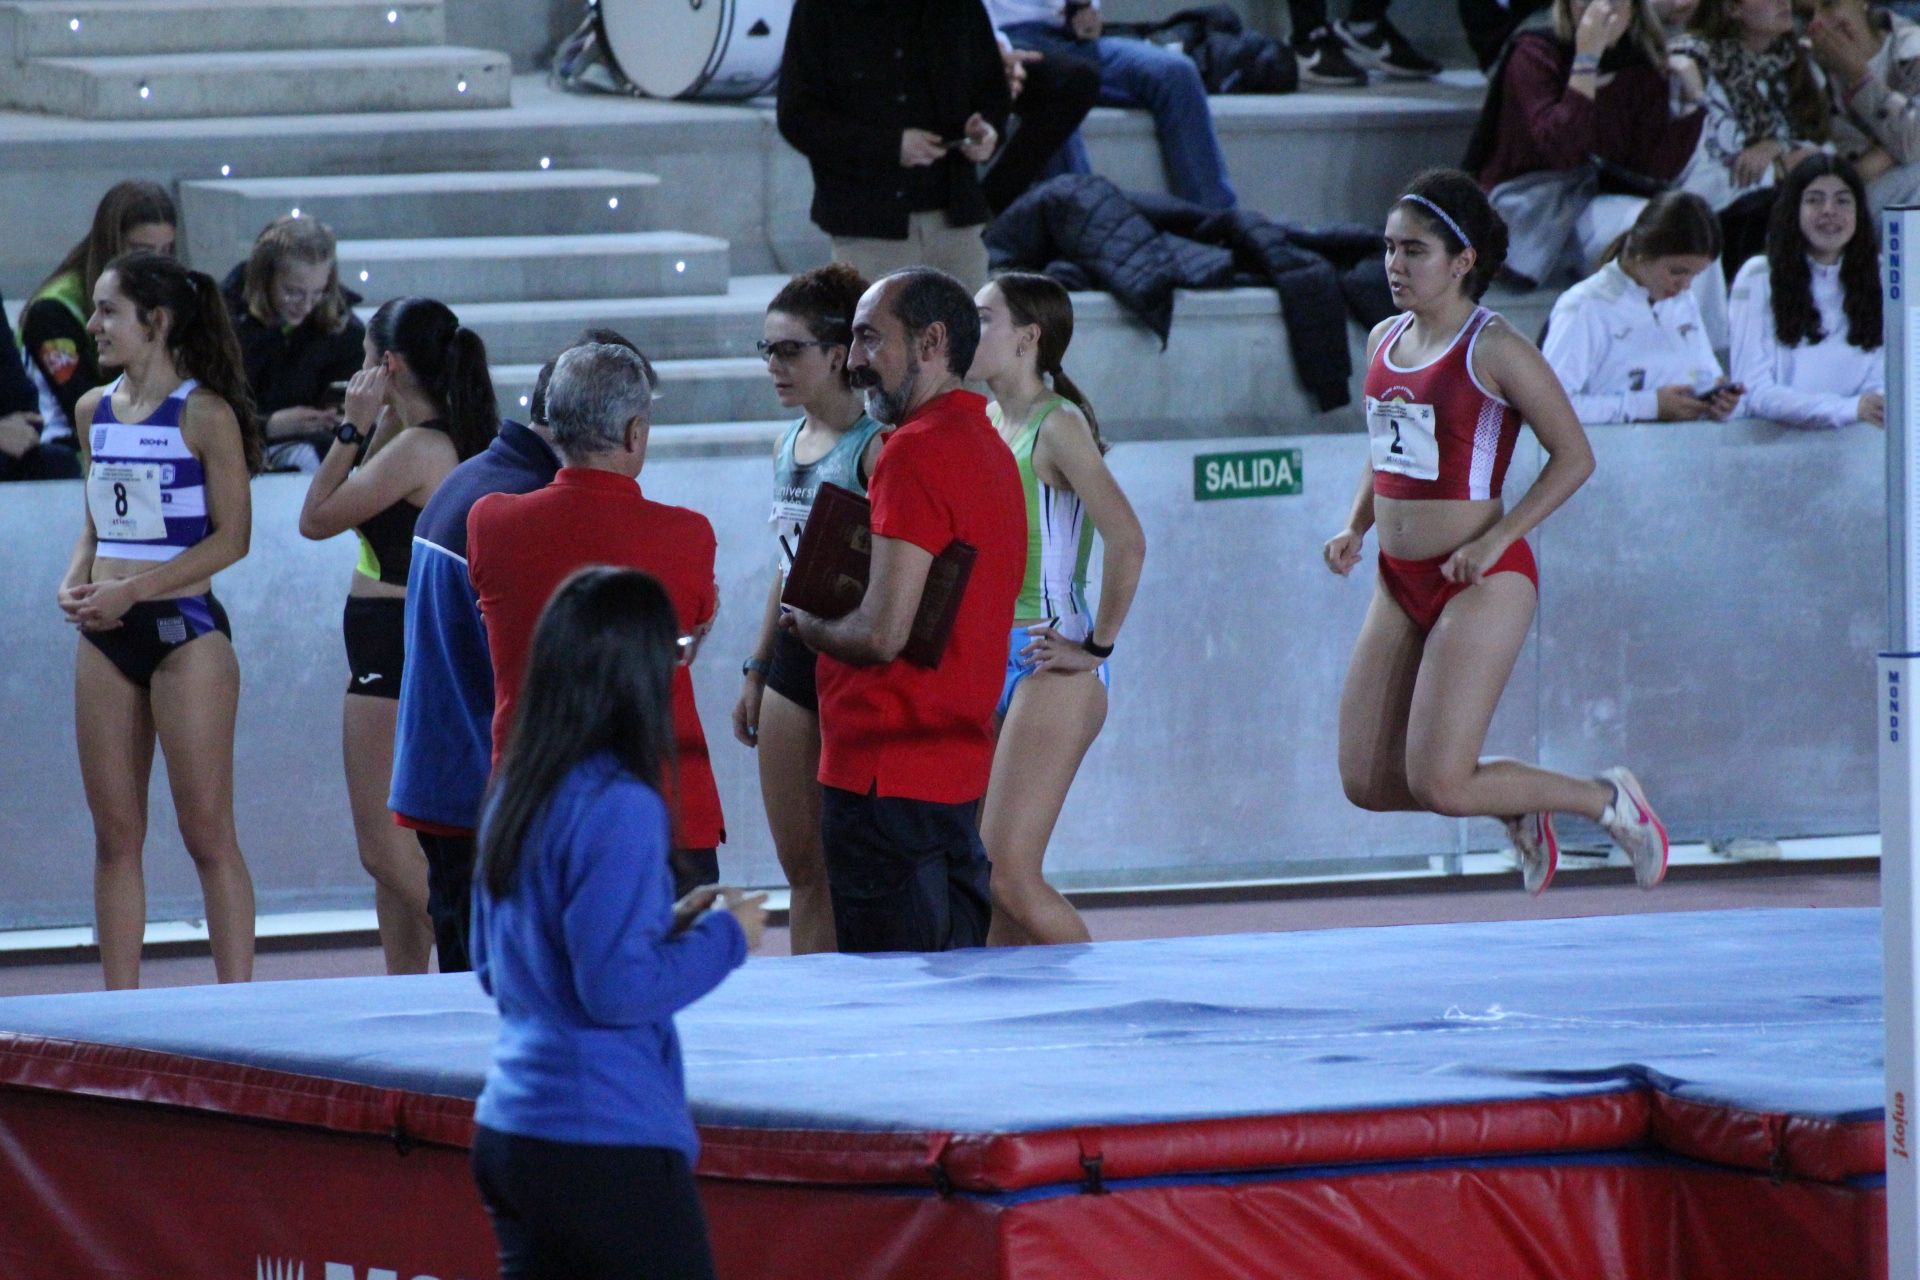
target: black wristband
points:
(347, 433)
(1100, 651)
(756, 667)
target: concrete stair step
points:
(496, 269)
(278, 82)
(223, 216)
(102, 28)
(725, 389)
(725, 322)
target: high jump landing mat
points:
(1657, 1097)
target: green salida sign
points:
(1258, 473)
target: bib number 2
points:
(126, 502)
(1402, 439)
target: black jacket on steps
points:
(1087, 233)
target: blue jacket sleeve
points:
(618, 912)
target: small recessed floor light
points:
(546, 162)
(393, 15)
(679, 266)
(363, 277)
(73, 25)
(461, 87)
(145, 92)
(613, 202)
(296, 212)
(226, 171)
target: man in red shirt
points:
(521, 547)
(905, 750)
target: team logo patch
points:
(60, 358)
(172, 630)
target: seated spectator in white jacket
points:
(1806, 317)
(1872, 61)
(1628, 342)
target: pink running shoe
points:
(1635, 828)
(1534, 843)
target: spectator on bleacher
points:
(1807, 316)
(1341, 53)
(1872, 61)
(60, 353)
(298, 336)
(1765, 107)
(583, 1148)
(422, 405)
(1577, 130)
(521, 547)
(1133, 73)
(1628, 342)
(1051, 96)
(895, 106)
(21, 454)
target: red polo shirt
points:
(521, 547)
(903, 730)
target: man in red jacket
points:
(521, 547)
(905, 750)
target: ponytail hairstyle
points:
(823, 299)
(1041, 300)
(1470, 222)
(1674, 224)
(599, 680)
(1795, 318)
(448, 361)
(199, 336)
(125, 206)
(290, 239)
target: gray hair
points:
(594, 392)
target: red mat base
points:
(130, 1191)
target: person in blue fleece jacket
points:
(583, 1147)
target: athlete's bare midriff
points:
(1420, 529)
(114, 569)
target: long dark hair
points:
(1673, 224)
(1041, 300)
(823, 299)
(450, 363)
(1808, 112)
(126, 205)
(599, 679)
(1461, 199)
(200, 338)
(1795, 318)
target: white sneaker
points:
(1535, 845)
(1634, 826)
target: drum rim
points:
(723, 39)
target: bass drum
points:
(696, 48)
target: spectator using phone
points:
(1806, 317)
(1628, 342)
(299, 338)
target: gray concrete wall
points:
(1711, 605)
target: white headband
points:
(1441, 214)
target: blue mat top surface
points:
(1776, 1011)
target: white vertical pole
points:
(1899, 782)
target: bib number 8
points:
(119, 499)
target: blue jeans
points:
(1141, 74)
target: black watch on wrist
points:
(1100, 651)
(347, 433)
(755, 667)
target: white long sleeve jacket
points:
(1815, 385)
(1614, 348)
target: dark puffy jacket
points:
(1087, 233)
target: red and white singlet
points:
(1435, 432)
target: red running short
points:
(1417, 587)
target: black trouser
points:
(693, 868)
(449, 896)
(1489, 24)
(904, 875)
(57, 461)
(567, 1211)
(1058, 94)
(1309, 16)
